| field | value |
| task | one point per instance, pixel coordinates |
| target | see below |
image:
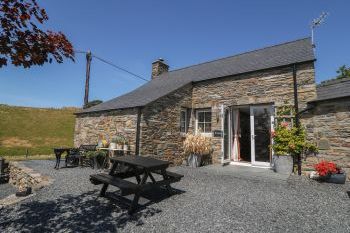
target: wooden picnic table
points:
(139, 167)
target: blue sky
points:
(133, 33)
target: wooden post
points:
(87, 80)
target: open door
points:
(261, 125)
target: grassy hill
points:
(35, 129)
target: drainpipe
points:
(138, 132)
(296, 107)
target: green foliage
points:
(36, 129)
(343, 72)
(93, 103)
(119, 139)
(97, 154)
(291, 141)
(285, 110)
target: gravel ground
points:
(210, 199)
(6, 190)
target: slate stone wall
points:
(329, 125)
(160, 126)
(89, 126)
(273, 86)
(160, 122)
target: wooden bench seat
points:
(125, 186)
(172, 175)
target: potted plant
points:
(113, 143)
(196, 146)
(330, 172)
(126, 145)
(97, 158)
(120, 140)
(288, 142)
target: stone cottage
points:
(234, 100)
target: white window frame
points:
(200, 111)
(183, 110)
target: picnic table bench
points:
(139, 167)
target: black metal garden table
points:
(141, 168)
(58, 153)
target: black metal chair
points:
(85, 161)
(76, 156)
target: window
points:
(204, 121)
(183, 121)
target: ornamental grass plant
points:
(197, 144)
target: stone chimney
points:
(159, 67)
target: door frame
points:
(252, 136)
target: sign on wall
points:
(218, 133)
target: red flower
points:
(325, 168)
(284, 124)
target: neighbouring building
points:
(327, 119)
(234, 100)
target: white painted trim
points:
(183, 110)
(249, 165)
(196, 126)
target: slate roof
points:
(333, 89)
(274, 56)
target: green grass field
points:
(35, 129)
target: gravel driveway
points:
(209, 199)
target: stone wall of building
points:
(328, 123)
(160, 126)
(273, 86)
(89, 126)
(160, 134)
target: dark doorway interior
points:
(245, 134)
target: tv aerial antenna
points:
(316, 23)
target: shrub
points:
(291, 140)
(197, 144)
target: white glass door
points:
(261, 124)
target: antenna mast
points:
(315, 23)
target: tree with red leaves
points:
(22, 42)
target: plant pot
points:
(335, 178)
(194, 160)
(119, 146)
(283, 164)
(112, 145)
(24, 193)
(126, 147)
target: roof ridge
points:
(333, 81)
(239, 54)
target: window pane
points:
(207, 116)
(201, 117)
(183, 121)
(201, 127)
(183, 116)
(207, 127)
